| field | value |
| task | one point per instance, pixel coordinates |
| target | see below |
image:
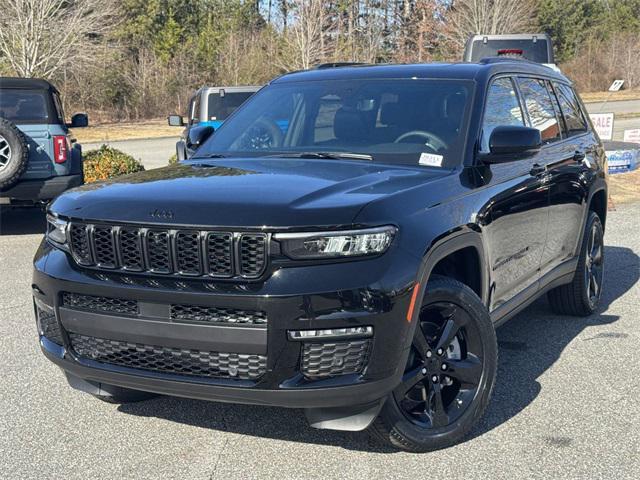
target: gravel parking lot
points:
(566, 404)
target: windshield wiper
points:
(327, 155)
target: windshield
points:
(220, 107)
(20, 106)
(412, 121)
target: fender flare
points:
(439, 250)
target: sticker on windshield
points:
(430, 159)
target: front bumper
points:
(41, 190)
(366, 293)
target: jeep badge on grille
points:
(162, 214)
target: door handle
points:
(579, 156)
(537, 169)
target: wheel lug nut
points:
(444, 366)
(429, 354)
(424, 371)
(434, 379)
(440, 351)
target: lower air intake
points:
(49, 326)
(177, 361)
(325, 360)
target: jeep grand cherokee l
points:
(346, 243)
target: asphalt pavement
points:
(566, 403)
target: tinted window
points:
(220, 107)
(502, 108)
(59, 109)
(540, 108)
(393, 121)
(571, 112)
(534, 51)
(24, 106)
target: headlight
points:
(57, 231)
(352, 243)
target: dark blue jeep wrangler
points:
(38, 158)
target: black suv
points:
(345, 243)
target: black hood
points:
(245, 192)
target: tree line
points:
(133, 59)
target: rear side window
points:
(502, 108)
(24, 106)
(573, 119)
(539, 105)
(59, 109)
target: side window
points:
(59, 109)
(194, 110)
(502, 108)
(539, 105)
(573, 119)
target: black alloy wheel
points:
(594, 264)
(449, 374)
(582, 296)
(444, 368)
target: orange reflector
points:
(412, 305)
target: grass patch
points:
(125, 131)
(624, 187)
(588, 97)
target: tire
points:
(578, 298)
(121, 395)
(14, 154)
(464, 388)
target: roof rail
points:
(324, 66)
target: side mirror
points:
(175, 120)
(79, 120)
(509, 143)
(198, 135)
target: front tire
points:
(581, 297)
(450, 372)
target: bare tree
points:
(304, 38)
(491, 17)
(43, 37)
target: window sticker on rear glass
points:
(430, 159)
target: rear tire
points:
(582, 296)
(14, 154)
(454, 357)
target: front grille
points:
(49, 326)
(93, 303)
(197, 313)
(253, 251)
(324, 360)
(169, 360)
(190, 253)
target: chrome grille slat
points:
(167, 251)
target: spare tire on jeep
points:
(14, 154)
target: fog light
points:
(331, 333)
